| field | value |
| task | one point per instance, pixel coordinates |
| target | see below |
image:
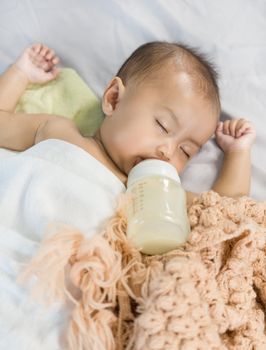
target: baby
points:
(162, 104)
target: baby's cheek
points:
(179, 164)
(126, 145)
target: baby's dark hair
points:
(150, 58)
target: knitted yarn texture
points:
(208, 294)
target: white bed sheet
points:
(94, 37)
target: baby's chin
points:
(131, 164)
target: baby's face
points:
(164, 119)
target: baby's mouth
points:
(140, 159)
(137, 161)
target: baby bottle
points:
(156, 210)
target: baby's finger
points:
(42, 63)
(232, 127)
(35, 56)
(219, 126)
(56, 60)
(241, 122)
(50, 54)
(47, 66)
(36, 48)
(243, 127)
(226, 127)
(44, 51)
(53, 73)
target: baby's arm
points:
(235, 137)
(37, 64)
(19, 131)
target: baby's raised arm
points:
(18, 131)
(37, 64)
(235, 137)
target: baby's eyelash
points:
(186, 154)
(161, 126)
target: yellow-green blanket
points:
(68, 96)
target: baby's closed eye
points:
(190, 150)
(185, 151)
(162, 126)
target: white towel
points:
(54, 181)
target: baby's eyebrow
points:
(195, 143)
(171, 113)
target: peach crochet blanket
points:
(209, 294)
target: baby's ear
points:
(112, 95)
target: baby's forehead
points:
(188, 74)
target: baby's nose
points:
(165, 151)
(161, 155)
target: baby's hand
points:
(38, 63)
(235, 135)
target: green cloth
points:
(69, 96)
